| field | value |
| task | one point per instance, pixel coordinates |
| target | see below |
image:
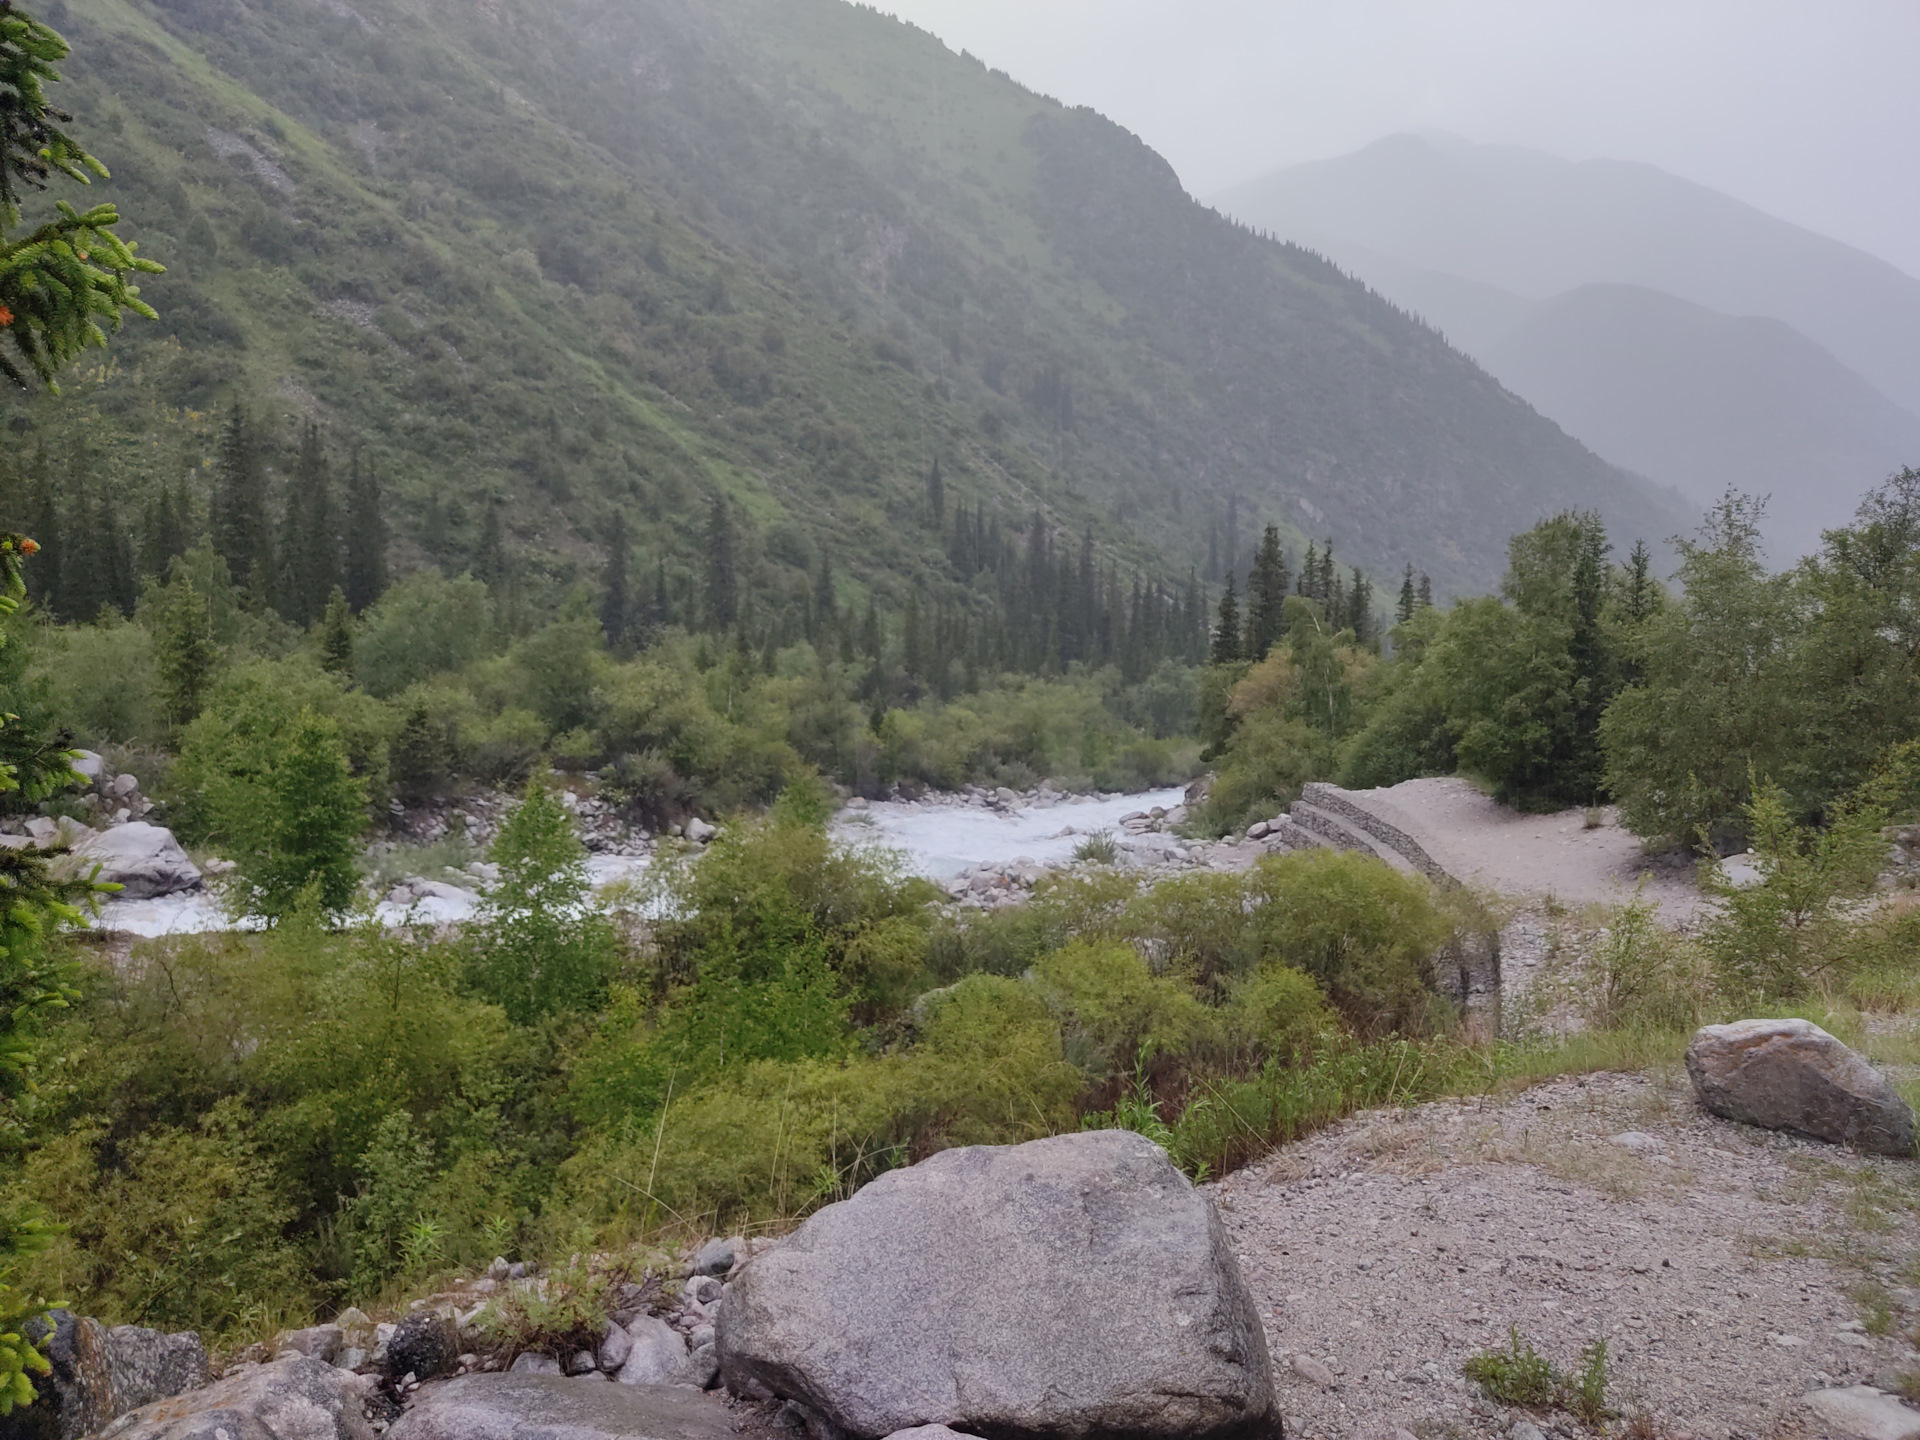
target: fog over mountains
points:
(1676, 331)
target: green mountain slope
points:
(575, 258)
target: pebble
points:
(1311, 1370)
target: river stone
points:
(1067, 1288)
(658, 1356)
(1792, 1075)
(548, 1407)
(292, 1399)
(144, 860)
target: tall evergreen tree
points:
(1409, 601)
(826, 610)
(49, 569)
(1226, 633)
(1359, 617)
(336, 635)
(184, 650)
(309, 536)
(167, 530)
(723, 594)
(364, 564)
(616, 606)
(238, 520)
(1640, 590)
(1266, 596)
(1426, 591)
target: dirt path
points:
(1729, 1270)
(1483, 843)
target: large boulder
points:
(144, 860)
(553, 1407)
(293, 1399)
(101, 1373)
(1068, 1288)
(1792, 1075)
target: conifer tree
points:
(870, 633)
(364, 567)
(1266, 596)
(239, 516)
(1638, 600)
(65, 284)
(309, 536)
(184, 650)
(1409, 600)
(49, 571)
(1309, 577)
(336, 635)
(1359, 617)
(723, 595)
(826, 611)
(167, 530)
(615, 604)
(1226, 633)
(1426, 592)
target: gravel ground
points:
(1730, 1271)
(1483, 843)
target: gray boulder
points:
(144, 860)
(532, 1362)
(1792, 1075)
(101, 1373)
(293, 1399)
(658, 1355)
(548, 1407)
(1069, 1288)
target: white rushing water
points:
(198, 912)
(940, 840)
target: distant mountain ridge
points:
(564, 260)
(1676, 331)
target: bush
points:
(1112, 1010)
(426, 625)
(538, 949)
(179, 1229)
(292, 821)
(1364, 931)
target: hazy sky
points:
(1808, 110)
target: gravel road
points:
(1729, 1270)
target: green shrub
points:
(1200, 925)
(425, 626)
(249, 714)
(293, 825)
(181, 1229)
(1112, 1008)
(102, 682)
(1280, 1015)
(1518, 1375)
(1365, 931)
(537, 948)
